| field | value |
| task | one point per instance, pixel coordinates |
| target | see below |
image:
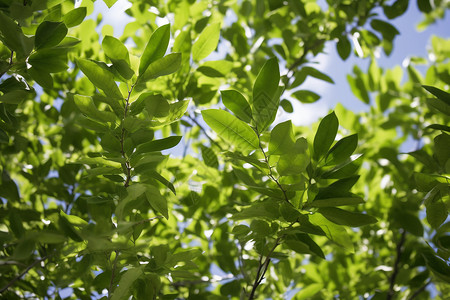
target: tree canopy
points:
(152, 165)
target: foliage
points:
(94, 204)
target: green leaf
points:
(438, 266)
(156, 47)
(309, 291)
(325, 135)
(157, 106)
(440, 94)
(358, 88)
(49, 34)
(133, 192)
(158, 145)
(117, 52)
(209, 157)
(48, 237)
(75, 17)
(158, 202)
(128, 278)
(343, 47)
(231, 129)
(332, 202)
(88, 108)
(100, 77)
(163, 66)
(268, 210)
(12, 36)
(52, 60)
(236, 102)
(110, 3)
(436, 213)
(386, 29)
(306, 96)
(206, 42)
(343, 217)
(15, 97)
(266, 99)
(395, 10)
(342, 150)
(281, 139)
(295, 162)
(287, 106)
(334, 232)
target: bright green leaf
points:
(236, 102)
(100, 77)
(231, 129)
(206, 42)
(49, 34)
(156, 47)
(325, 135)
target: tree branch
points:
(113, 275)
(400, 243)
(419, 290)
(23, 273)
(126, 165)
(262, 268)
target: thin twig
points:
(396, 265)
(122, 139)
(113, 274)
(419, 290)
(23, 273)
(262, 268)
(266, 159)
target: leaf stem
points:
(396, 265)
(127, 166)
(419, 290)
(23, 273)
(113, 274)
(266, 159)
(262, 268)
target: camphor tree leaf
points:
(118, 54)
(236, 102)
(231, 129)
(158, 145)
(100, 77)
(87, 107)
(308, 291)
(440, 94)
(436, 213)
(75, 17)
(49, 34)
(334, 232)
(325, 135)
(12, 36)
(156, 200)
(306, 96)
(343, 217)
(266, 95)
(49, 60)
(156, 47)
(163, 66)
(344, 47)
(206, 42)
(282, 139)
(342, 150)
(128, 278)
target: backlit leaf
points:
(231, 129)
(206, 42)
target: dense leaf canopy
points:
(152, 164)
